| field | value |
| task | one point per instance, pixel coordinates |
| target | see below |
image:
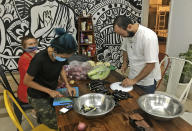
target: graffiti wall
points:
(39, 18)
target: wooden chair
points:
(7, 97)
(164, 64)
(174, 87)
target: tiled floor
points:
(7, 125)
(187, 116)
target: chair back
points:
(8, 99)
(174, 86)
(164, 64)
(176, 69)
(185, 93)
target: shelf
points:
(82, 17)
(87, 44)
(85, 36)
(90, 56)
(87, 31)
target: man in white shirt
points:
(140, 47)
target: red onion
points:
(81, 126)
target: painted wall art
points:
(39, 18)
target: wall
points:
(39, 18)
(180, 27)
(145, 12)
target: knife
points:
(66, 103)
(71, 97)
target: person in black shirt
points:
(43, 74)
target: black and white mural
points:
(39, 18)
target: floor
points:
(7, 125)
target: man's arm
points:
(28, 81)
(146, 71)
(124, 65)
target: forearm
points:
(125, 58)
(31, 84)
(146, 71)
(64, 78)
(38, 32)
(72, 91)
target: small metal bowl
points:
(160, 106)
(103, 103)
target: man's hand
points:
(128, 82)
(47, 18)
(55, 94)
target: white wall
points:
(180, 27)
(145, 12)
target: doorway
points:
(158, 20)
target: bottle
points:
(86, 39)
(90, 39)
(82, 38)
(90, 26)
(84, 51)
(84, 13)
(89, 53)
(83, 26)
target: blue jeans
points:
(148, 89)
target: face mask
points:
(130, 33)
(59, 58)
(31, 49)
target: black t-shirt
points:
(45, 72)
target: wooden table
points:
(115, 120)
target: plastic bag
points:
(77, 70)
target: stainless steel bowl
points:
(103, 104)
(160, 106)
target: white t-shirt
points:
(141, 49)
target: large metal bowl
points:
(160, 106)
(103, 104)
